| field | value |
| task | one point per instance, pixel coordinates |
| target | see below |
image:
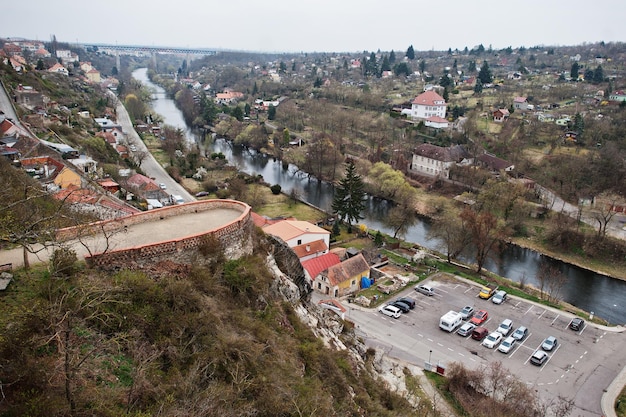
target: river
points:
(584, 289)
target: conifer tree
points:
(349, 199)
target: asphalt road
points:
(581, 367)
(149, 165)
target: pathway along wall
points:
(235, 237)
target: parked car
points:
(162, 186)
(492, 340)
(487, 291)
(479, 333)
(402, 306)
(507, 344)
(520, 333)
(577, 324)
(467, 312)
(549, 344)
(539, 357)
(479, 317)
(391, 311)
(425, 289)
(499, 297)
(202, 194)
(466, 329)
(408, 301)
(505, 327)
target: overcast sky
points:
(318, 26)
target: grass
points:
(440, 383)
(620, 404)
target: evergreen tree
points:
(392, 57)
(478, 87)
(40, 66)
(573, 73)
(271, 113)
(255, 89)
(349, 199)
(385, 65)
(237, 113)
(598, 75)
(485, 73)
(471, 67)
(410, 53)
(588, 75)
(282, 67)
(422, 66)
(579, 124)
(402, 68)
(293, 66)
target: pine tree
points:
(410, 53)
(485, 73)
(349, 199)
(392, 57)
(574, 71)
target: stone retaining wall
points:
(235, 237)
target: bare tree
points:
(551, 281)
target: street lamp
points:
(430, 355)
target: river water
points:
(603, 295)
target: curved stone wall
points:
(235, 236)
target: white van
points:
(391, 311)
(450, 321)
(176, 199)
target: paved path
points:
(140, 234)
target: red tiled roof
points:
(429, 98)
(520, 99)
(437, 119)
(289, 229)
(321, 263)
(348, 269)
(311, 248)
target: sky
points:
(318, 26)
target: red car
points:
(479, 317)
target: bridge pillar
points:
(118, 63)
(154, 62)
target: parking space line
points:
(451, 350)
(557, 316)
(460, 354)
(518, 303)
(439, 344)
(542, 314)
(467, 290)
(528, 311)
(430, 340)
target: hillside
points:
(218, 338)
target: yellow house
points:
(67, 178)
(93, 75)
(343, 278)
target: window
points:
(299, 241)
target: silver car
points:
(466, 329)
(549, 344)
(425, 289)
(506, 345)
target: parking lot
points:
(578, 367)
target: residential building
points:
(344, 278)
(58, 69)
(430, 107)
(520, 103)
(315, 266)
(500, 115)
(310, 250)
(494, 164)
(297, 232)
(435, 161)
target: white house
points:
(435, 161)
(297, 232)
(520, 103)
(429, 106)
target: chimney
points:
(308, 248)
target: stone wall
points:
(235, 237)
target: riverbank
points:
(615, 271)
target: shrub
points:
(63, 262)
(275, 189)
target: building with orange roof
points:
(344, 278)
(297, 232)
(310, 250)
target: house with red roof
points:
(311, 250)
(344, 278)
(520, 103)
(144, 187)
(315, 266)
(500, 115)
(58, 69)
(431, 108)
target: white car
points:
(391, 311)
(162, 186)
(492, 340)
(505, 327)
(506, 345)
